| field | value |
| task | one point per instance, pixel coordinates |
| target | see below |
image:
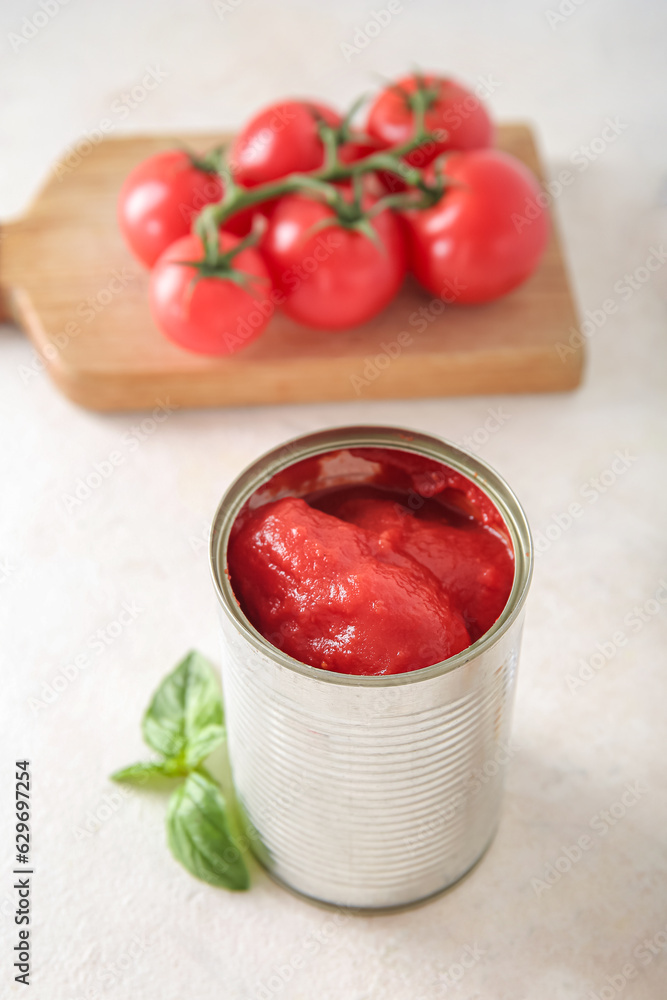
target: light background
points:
(114, 916)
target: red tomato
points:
(282, 139)
(336, 277)
(159, 200)
(212, 315)
(452, 109)
(486, 235)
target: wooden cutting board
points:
(68, 280)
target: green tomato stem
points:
(321, 183)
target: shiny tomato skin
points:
(214, 316)
(477, 243)
(158, 201)
(456, 111)
(334, 278)
(282, 139)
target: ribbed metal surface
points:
(363, 800)
(368, 791)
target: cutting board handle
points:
(6, 311)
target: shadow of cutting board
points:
(68, 280)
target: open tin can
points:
(367, 791)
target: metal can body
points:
(358, 791)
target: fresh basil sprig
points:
(139, 774)
(199, 836)
(185, 720)
(184, 723)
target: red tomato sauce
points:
(381, 576)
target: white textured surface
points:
(114, 916)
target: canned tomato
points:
(357, 789)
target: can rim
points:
(484, 476)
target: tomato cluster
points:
(309, 213)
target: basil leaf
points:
(199, 837)
(139, 774)
(185, 718)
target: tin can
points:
(367, 792)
